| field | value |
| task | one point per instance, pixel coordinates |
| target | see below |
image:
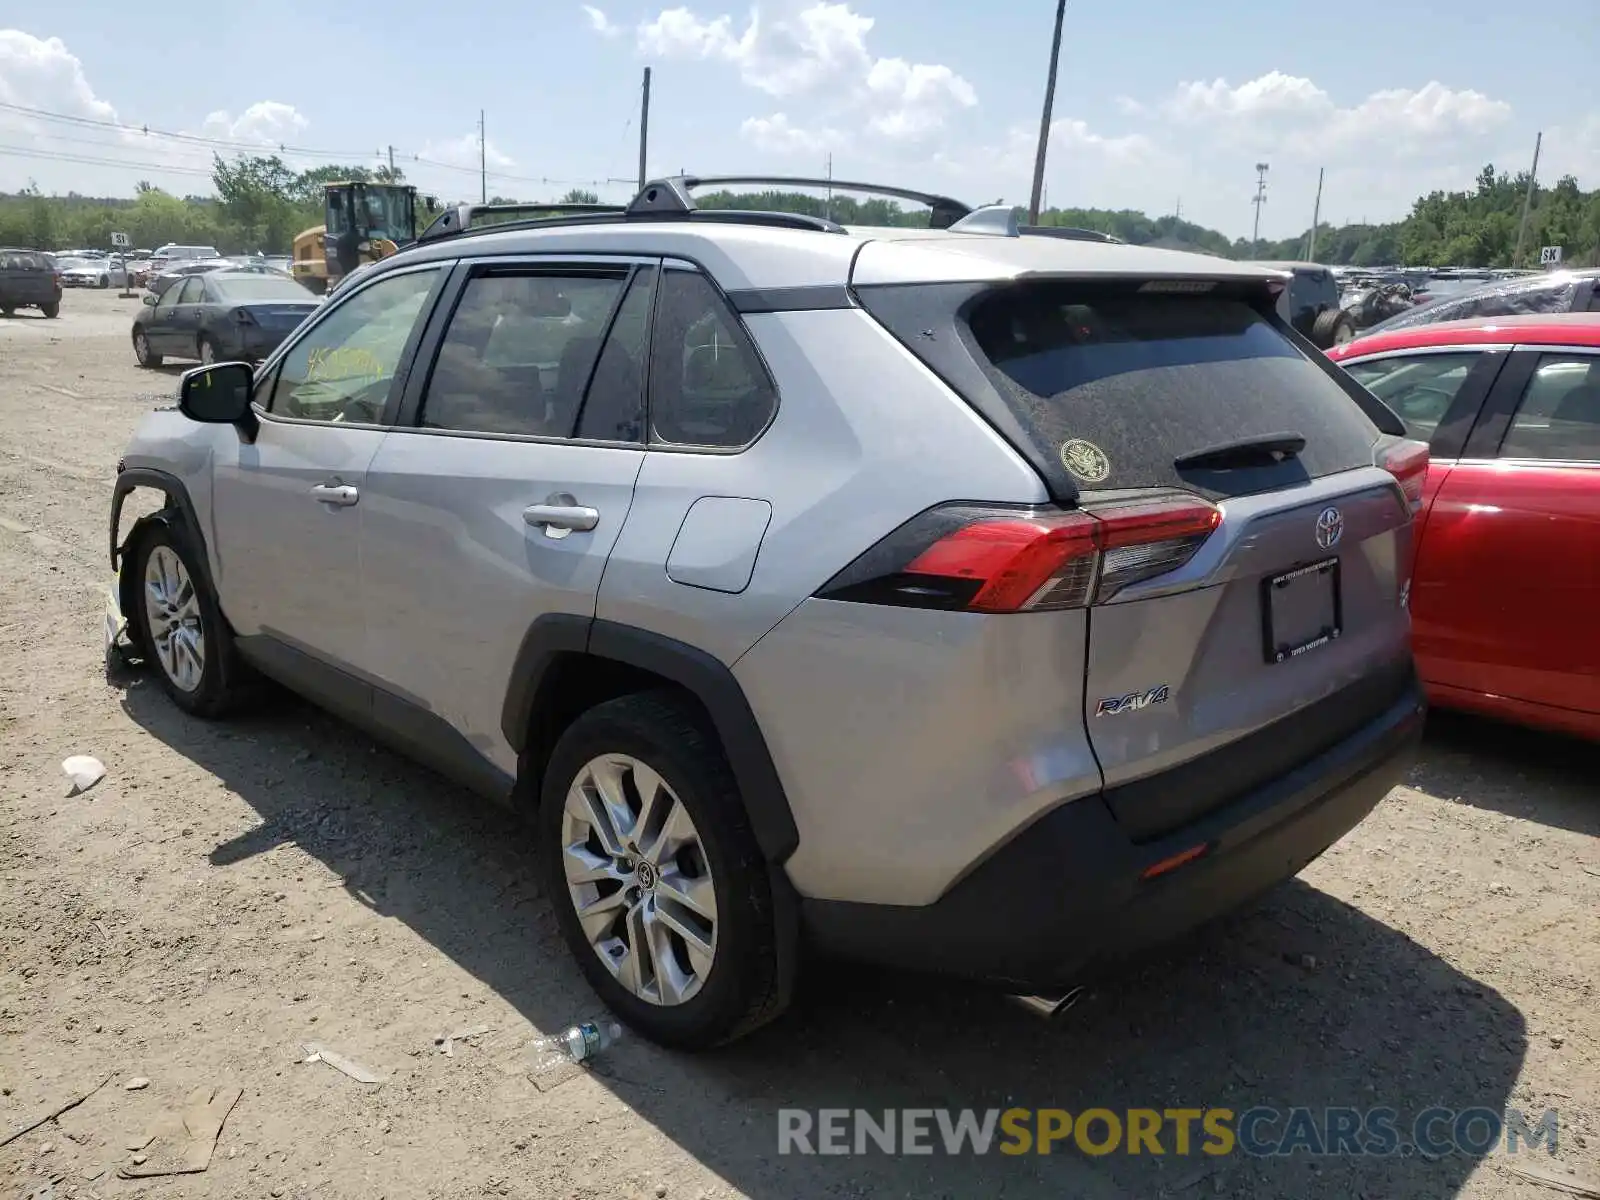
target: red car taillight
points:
(994, 559)
(1407, 461)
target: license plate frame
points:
(1326, 570)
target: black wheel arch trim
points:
(705, 677)
(178, 499)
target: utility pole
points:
(1316, 215)
(1260, 199)
(1044, 120)
(829, 212)
(483, 159)
(1527, 201)
(391, 163)
(644, 126)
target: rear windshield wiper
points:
(1268, 449)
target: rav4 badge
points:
(1113, 706)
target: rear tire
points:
(177, 625)
(105, 281)
(142, 352)
(51, 311)
(656, 746)
(1333, 327)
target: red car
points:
(1505, 596)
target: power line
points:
(193, 138)
(240, 146)
(93, 161)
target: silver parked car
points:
(966, 598)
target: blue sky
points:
(1158, 101)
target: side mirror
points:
(217, 395)
(150, 299)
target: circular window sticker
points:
(1085, 460)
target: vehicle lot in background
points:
(29, 279)
(1451, 935)
(1507, 582)
(1312, 303)
(220, 315)
(92, 272)
(1527, 295)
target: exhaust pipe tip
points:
(1050, 1007)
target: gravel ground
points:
(231, 892)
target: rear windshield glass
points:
(23, 260)
(263, 288)
(1116, 385)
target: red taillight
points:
(1407, 461)
(997, 560)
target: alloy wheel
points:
(172, 614)
(639, 879)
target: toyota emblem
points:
(1330, 527)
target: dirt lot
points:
(229, 893)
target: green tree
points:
(580, 196)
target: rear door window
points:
(1419, 387)
(1559, 416)
(1114, 385)
(519, 352)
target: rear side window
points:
(1420, 387)
(1114, 385)
(1559, 417)
(708, 388)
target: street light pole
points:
(1044, 120)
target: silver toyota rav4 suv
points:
(965, 598)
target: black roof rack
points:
(670, 197)
(459, 218)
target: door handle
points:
(340, 495)
(560, 516)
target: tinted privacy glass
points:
(707, 387)
(613, 411)
(1115, 386)
(1559, 417)
(23, 260)
(343, 368)
(519, 352)
(1419, 388)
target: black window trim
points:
(402, 371)
(1506, 401)
(426, 351)
(1454, 431)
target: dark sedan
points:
(220, 316)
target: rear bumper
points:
(1065, 896)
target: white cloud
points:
(778, 135)
(464, 152)
(1292, 115)
(600, 23)
(917, 97)
(268, 122)
(44, 74)
(817, 51)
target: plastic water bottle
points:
(587, 1039)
